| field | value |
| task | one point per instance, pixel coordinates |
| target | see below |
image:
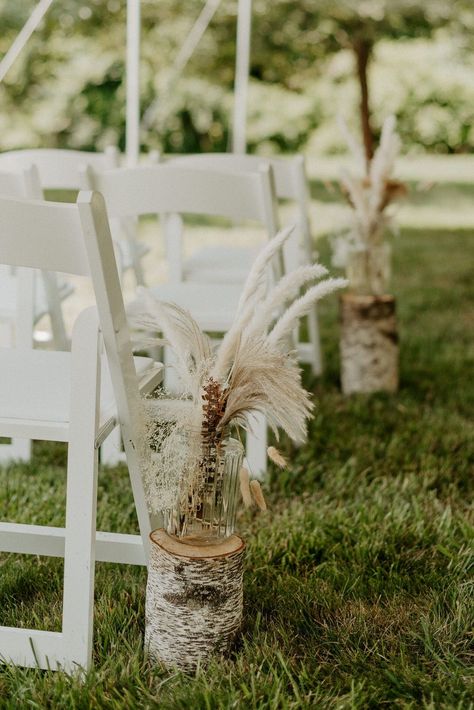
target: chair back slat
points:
(159, 189)
(290, 183)
(74, 239)
(58, 169)
(286, 171)
(42, 235)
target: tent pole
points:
(242, 66)
(24, 35)
(132, 137)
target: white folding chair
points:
(76, 397)
(170, 190)
(25, 296)
(63, 170)
(48, 291)
(231, 263)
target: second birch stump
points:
(194, 599)
(369, 344)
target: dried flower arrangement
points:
(254, 369)
(362, 249)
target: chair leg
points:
(79, 558)
(53, 298)
(315, 340)
(257, 446)
(111, 453)
(81, 494)
(137, 267)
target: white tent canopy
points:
(244, 22)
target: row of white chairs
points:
(208, 284)
(73, 170)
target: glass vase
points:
(206, 506)
(369, 270)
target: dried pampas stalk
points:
(256, 489)
(283, 293)
(277, 458)
(245, 487)
(299, 308)
(252, 293)
(370, 192)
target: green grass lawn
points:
(359, 581)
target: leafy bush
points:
(66, 89)
(427, 84)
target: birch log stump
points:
(194, 599)
(369, 344)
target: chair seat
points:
(37, 390)
(213, 306)
(220, 264)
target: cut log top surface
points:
(195, 547)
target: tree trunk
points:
(369, 344)
(363, 52)
(194, 599)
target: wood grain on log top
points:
(196, 547)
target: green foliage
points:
(358, 586)
(427, 84)
(66, 89)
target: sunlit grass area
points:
(359, 580)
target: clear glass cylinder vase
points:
(369, 270)
(206, 506)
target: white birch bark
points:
(369, 344)
(194, 599)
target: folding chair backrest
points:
(75, 239)
(59, 169)
(163, 189)
(288, 173)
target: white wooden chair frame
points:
(73, 239)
